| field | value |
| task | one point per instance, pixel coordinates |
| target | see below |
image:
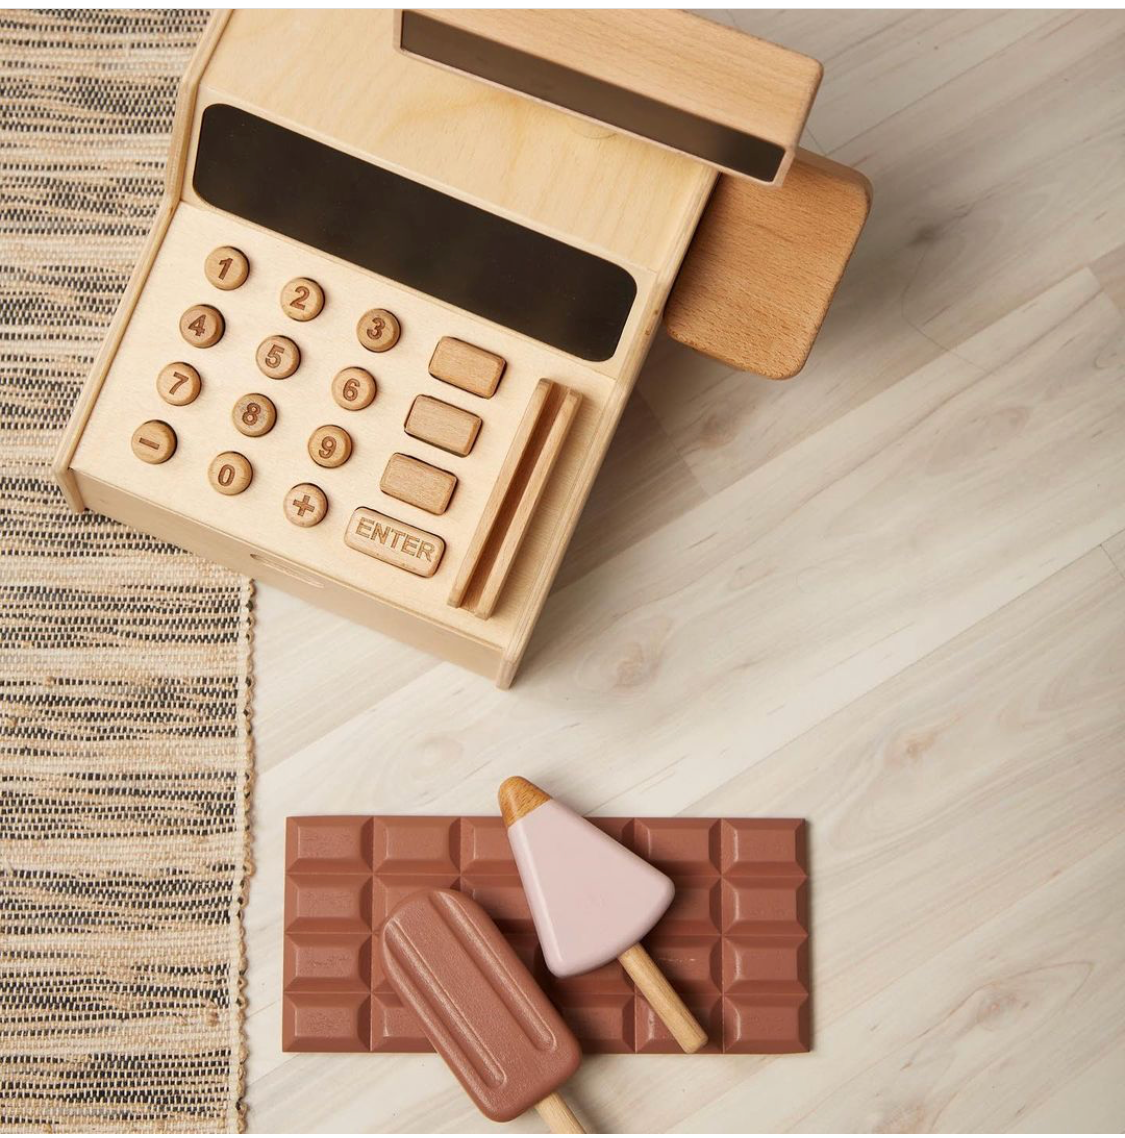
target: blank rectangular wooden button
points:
(442, 425)
(418, 483)
(397, 543)
(468, 367)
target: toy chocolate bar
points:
(734, 942)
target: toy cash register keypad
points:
(406, 478)
(335, 420)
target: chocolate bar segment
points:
(734, 942)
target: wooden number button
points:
(230, 472)
(470, 368)
(442, 425)
(353, 389)
(179, 384)
(418, 483)
(254, 415)
(154, 442)
(302, 299)
(278, 357)
(378, 330)
(306, 505)
(226, 267)
(202, 326)
(330, 446)
(394, 542)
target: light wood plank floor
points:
(887, 597)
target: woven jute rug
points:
(124, 663)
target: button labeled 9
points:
(330, 446)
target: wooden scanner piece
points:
(764, 265)
(686, 83)
(516, 493)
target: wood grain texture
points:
(557, 1115)
(667, 56)
(442, 425)
(411, 480)
(260, 64)
(516, 495)
(764, 266)
(518, 797)
(664, 1000)
(466, 366)
(887, 597)
(613, 193)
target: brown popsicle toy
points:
(591, 899)
(480, 1007)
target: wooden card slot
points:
(511, 505)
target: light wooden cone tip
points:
(518, 797)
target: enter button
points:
(394, 542)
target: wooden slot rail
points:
(511, 505)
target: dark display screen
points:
(411, 233)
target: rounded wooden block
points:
(302, 299)
(330, 446)
(179, 384)
(306, 505)
(230, 472)
(202, 326)
(154, 442)
(278, 357)
(378, 330)
(353, 389)
(254, 415)
(226, 267)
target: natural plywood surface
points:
(442, 425)
(311, 436)
(600, 63)
(887, 597)
(516, 493)
(468, 367)
(411, 480)
(566, 176)
(764, 265)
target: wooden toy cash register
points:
(404, 276)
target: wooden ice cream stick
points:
(592, 900)
(560, 1119)
(669, 1008)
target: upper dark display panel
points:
(422, 238)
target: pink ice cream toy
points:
(591, 899)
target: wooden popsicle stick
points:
(673, 1013)
(558, 1116)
